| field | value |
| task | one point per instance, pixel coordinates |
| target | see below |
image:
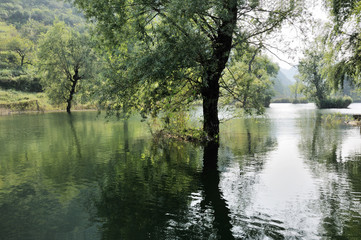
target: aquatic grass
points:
(281, 100)
(335, 119)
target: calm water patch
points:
(288, 175)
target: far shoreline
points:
(9, 112)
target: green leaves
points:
(344, 42)
(65, 57)
(168, 54)
(342, 10)
(247, 82)
(311, 73)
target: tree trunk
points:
(213, 69)
(210, 95)
(74, 82)
(70, 98)
(22, 60)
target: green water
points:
(289, 175)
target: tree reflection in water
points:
(70, 176)
(75, 135)
(146, 190)
(212, 193)
(147, 193)
(167, 190)
(326, 150)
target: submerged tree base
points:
(178, 126)
(188, 135)
(354, 123)
(194, 135)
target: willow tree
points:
(23, 47)
(310, 74)
(170, 53)
(345, 42)
(248, 81)
(66, 58)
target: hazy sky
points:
(294, 38)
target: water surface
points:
(288, 175)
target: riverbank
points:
(354, 123)
(5, 112)
(16, 102)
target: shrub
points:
(267, 101)
(281, 100)
(301, 100)
(339, 102)
(22, 83)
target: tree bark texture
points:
(74, 82)
(210, 95)
(213, 69)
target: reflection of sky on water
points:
(290, 195)
(281, 194)
(351, 144)
(286, 175)
(286, 191)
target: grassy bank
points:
(12, 101)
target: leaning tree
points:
(66, 58)
(170, 53)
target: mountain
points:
(281, 85)
(290, 73)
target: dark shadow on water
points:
(71, 120)
(146, 193)
(126, 136)
(212, 194)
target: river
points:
(291, 174)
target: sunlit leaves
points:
(310, 74)
(65, 55)
(344, 42)
(247, 82)
(167, 54)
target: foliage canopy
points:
(169, 53)
(66, 58)
(315, 84)
(310, 73)
(344, 42)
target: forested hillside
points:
(21, 24)
(23, 12)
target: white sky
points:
(293, 38)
